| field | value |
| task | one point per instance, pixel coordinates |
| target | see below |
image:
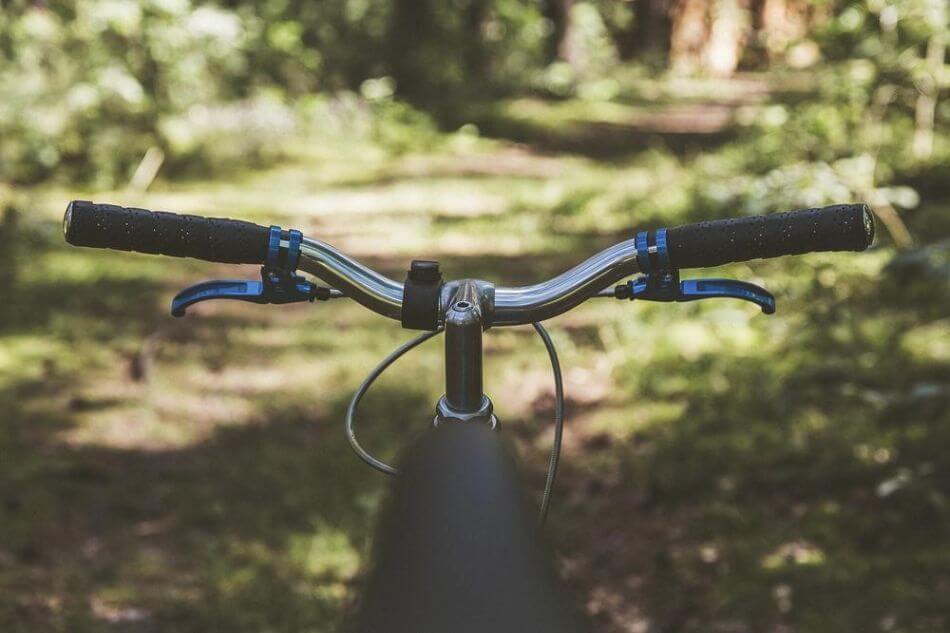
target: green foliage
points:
(590, 75)
(396, 125)
(89, 85)
(849, 134)
(305, 46)
(784, 472)
(86, 84)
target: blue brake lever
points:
(276, 286)
(240, 289)
(695, 289)
(666, 286)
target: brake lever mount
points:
(661, 282)
(279, 282)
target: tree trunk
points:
(929, 87)
(728, 34)
(690, 32)
(709, 37)
(410, 32)
(780, 23)
(476, 57)
(561, 43)
(651, 29)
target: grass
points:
(723, 470)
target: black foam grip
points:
(841, 227)
(163, 233)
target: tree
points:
(709, 37)
(560, 43)
(476, 57)
(651, 28)
(779, 23)
(410, 35)
(437, 51)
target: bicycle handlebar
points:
(839, 227)
(162, 233)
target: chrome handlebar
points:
(513, 306)
(356, 280)
(835, 228)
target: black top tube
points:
(458, 550)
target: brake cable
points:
(364, 387)
(558, 422)
(403, 349)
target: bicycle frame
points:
(456, 547)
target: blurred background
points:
(723, 470)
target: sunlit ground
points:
(723, 470)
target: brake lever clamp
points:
(279, 283)
(661, 282)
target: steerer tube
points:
(463, 350)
